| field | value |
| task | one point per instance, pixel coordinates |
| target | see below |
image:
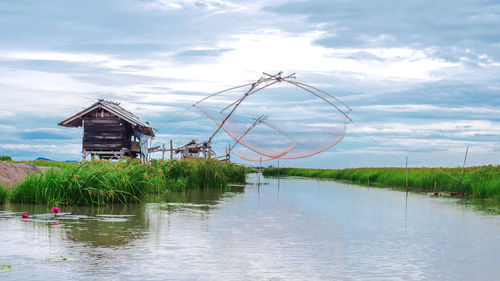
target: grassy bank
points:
(47, 163)
(102, 182)
(480, 182)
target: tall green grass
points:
(4, 194)
(5, 158)
(480, 182)
(103, 182)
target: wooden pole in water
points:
(463, 167)
(406, 176)
(260, 170)
(278, 176)
(171, 150)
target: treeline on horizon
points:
(101, 182)
(478, 182)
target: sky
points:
(421, 77)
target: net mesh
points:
(277, 119)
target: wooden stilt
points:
(171, 150)
(163, 152)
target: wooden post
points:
(463, 167)
(260, 170)
(278, 177)
(148, 156)
(84, 153)
(226, 155)
(406, 176)
(163, 152)
(435, 186)
(171, 150)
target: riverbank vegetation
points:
(46, 163)
(479, 182)
(4, 194)
(102, 182)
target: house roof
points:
(192, 144)
(114, 108)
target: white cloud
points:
(428, 108)
(458, 128)
(210, 5)
(70, 149)
(153, 83)
(264, 50)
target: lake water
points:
(301, 229)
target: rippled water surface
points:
(300, 230)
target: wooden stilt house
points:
(110, 131)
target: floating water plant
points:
(25, 216)
(60, 259)
(4, 266)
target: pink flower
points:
(56, 210)
(25, 216)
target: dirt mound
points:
(14, 173)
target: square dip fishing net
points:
(277, 117)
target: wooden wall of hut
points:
(103, 131)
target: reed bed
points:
(4, 194)
(480, 181)
(126, 181)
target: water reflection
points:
(305, 230)
(206, 196)
(107, 226)
(114, 225)
(490, 207)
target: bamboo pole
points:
(226, 154)
(406, 176)
(260, 171)
(163, 152)
(463, 167)
(171, 150)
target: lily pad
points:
(61, 258)
(4, 267)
